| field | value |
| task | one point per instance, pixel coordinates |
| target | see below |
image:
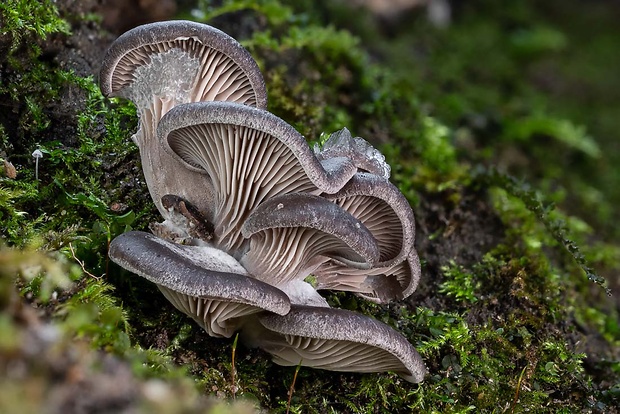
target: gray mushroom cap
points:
(160, 65)
(337, 340)
(249, 155)
(227, 72)
(288, 232)
(203, 282)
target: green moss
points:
(501, 334)
(25, 20)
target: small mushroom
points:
(336, 340)
(249, 155)
(36, 155)
(200, 281)
(379, 284)
(160, 65)
(382, 208)
(292, 233)
(181, 61)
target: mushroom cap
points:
(203, 282)
(249, 155)
(288, 232)
(378, 285)
(337, 340)
(160, 65)
(384, 210)
(227, 71)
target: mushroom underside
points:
(219, 318)
(289, 232)
(169, 58)
(249, 155)
(337, 340)
(205, 283)
(379, 284)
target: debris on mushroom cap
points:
(361, 152)
(160, 65)
(288, 233)
(337, 340)
(249, 155)
(202, 282)
(379, 284)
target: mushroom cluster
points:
(255, 221)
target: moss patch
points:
(505, 317)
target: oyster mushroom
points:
(160, 65)
(336, 340)
(247, 155)
(291, 234)
(382, 208)
(200, 281)
(379, 284)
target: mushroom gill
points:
(291, 234)
(249, 156)
(379, 284)
(384, 210)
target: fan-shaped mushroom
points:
(337, 340)
(160, 65)
(382, 208)
(200, 281)
(291, 234)
(249, 155)
(379, 284)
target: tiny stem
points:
(516, 399)
(36, 168)
(292, 389)
(233, 370)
